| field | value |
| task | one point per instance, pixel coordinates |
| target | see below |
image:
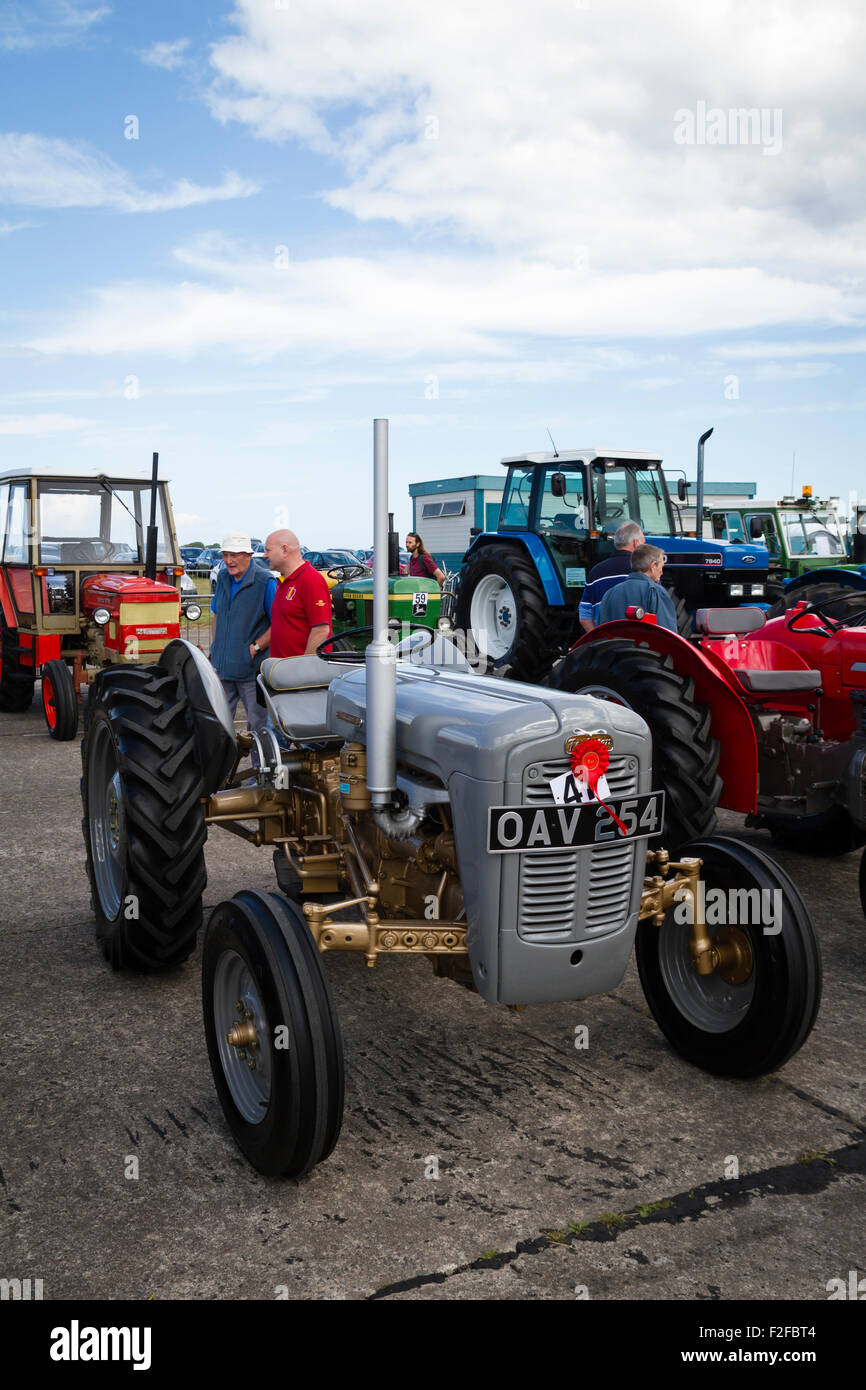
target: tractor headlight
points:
(101, 616)
(736, 591)
(757, 591)
(193, 612)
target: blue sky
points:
(439, 214)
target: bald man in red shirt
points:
(301, 611)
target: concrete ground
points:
(482, 1155)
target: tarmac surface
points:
(482, 1156)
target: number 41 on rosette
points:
(586, 780)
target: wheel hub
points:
(242, 1031)
(493, 616)
(734, 958)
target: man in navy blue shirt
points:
(643, 589)
(608, 573)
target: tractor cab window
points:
(16, 550)
(564, 515)
(720, 530)
(623, 492)
(769, 537)
(515, 500)
(811, 533)
(735, 531)
(91, 523)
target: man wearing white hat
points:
(242, 608)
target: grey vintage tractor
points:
(417, 808)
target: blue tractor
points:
(520, 585)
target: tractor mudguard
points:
(731, 722)
(214, 727)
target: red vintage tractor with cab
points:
(79, 588)
(767, 718)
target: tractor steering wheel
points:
(829, 625)
(353, 657)
(343, 573)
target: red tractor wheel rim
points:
(48, 702)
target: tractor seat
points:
(720, 622)
(778, 682)
(296, 694)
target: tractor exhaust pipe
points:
(699, 501)
(381, 668)
(150, 544)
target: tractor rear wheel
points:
(59, 701)
(685, 754)
(863, 882)
(502, 604)
(748, 1017)
(272, 1032)
(684, 617)
(144, 827)
(16, 681)
(831, 832)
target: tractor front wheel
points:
(59, 701)
(502, 604)
(685, 754)
(758, 1006)
(144, 826)
(273, 1038)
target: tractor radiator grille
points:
(571, 895)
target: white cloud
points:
(46, 24)
(41, 424)
(165, 55)
(36, 171)
(555, 138)
(425, 308)
(6, 228)
(790, 371)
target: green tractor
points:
(412, 602)
(809, 558)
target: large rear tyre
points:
(273, 1038)
(144, 827)
(685, 754)
(830, 833)
(749, 1019)
(684, 617)
(863, 882)
(59, 701)
(16, 681)
(502, 604)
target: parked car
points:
(336, 565)
(211, 555)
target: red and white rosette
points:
(589, 763)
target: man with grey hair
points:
(643, 589)
(608, 573)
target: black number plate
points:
(512, 829)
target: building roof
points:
(473, 482)
(725, 489)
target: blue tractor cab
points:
(520, 585)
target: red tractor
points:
(85, 582)
(768, 718)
